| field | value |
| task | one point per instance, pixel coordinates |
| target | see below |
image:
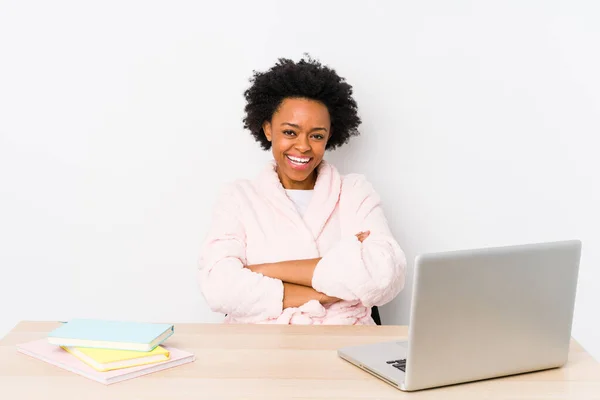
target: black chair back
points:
(375, 315)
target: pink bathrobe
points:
(255, 222)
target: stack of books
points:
(108, 351)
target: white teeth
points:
(299, 160)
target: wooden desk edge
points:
(28, 326)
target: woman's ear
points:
(267, 130)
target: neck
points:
(307, 184)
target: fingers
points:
(361, 236)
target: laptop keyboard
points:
(399, 364)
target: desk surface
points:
(274, 362)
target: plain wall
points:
(120, 120)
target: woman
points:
(300, 244)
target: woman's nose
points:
(302, 144)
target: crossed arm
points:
(371, 271)
(296, 276)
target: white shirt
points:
(301, 199)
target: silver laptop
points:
(480, 314)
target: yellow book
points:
(107, 359)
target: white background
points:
(120, 120)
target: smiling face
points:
(298, 132)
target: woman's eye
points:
(319, 137)
(289, 133)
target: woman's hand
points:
(297, 295)
(363, 235)
(324, 299)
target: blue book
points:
(116, 335)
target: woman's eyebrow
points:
(298, 127)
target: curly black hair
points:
(308, 79)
